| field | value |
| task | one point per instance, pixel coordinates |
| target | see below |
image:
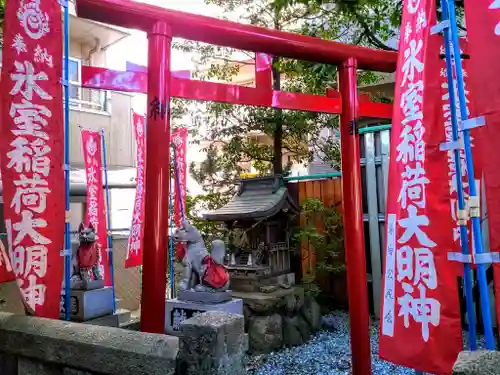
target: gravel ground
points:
(328, 353)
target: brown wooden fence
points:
(329, 192)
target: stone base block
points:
(82, 285)
(205, 297)
(89, 304)
(212, 343)
(242, 283)
(177, 311)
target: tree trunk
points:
(278, 132)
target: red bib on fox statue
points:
(216, 275)
(86, 266)
(88, 254)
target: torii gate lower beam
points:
(161, 25)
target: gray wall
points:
(374, 151)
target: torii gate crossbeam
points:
(162, 25)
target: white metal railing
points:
(82, 98)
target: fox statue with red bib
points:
(86, 268)
(203, 272)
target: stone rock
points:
(28, 366)
(265, 333)
(312, 313)
(268, 288)
(263, 306)
(247, 313)
(304, 328)
(293, 302)
(344, 363)
(328, 324)
(291, 332)
(483, 362)
(212, 343)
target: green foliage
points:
(228, 133)
(323, 229)
(209, 230)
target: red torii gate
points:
(162, 25)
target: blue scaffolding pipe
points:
(476, 221)
(171, 240)
(464, 237)
(67, 233)
(108, 219)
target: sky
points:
(134, 48)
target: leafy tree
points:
(322, 229)
(376, 21)
(228, 126)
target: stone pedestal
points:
(248, 283)
(205, 297)
(481, 362)
(281, 318)
(89, 304)
(178, 311)
(212, 343)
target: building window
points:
(81, 98)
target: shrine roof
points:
(257, 198)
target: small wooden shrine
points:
(259, 219)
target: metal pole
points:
(157, 180)
(464, 236)
(171, 240)
(67, 229)
(476, 219)
(357, 287)
(108, 218)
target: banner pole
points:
(109, 250)
(473, 200)
(67, 231)
(170, 239)
(464, 237)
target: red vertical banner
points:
(96, 206)
(32, 152)
(136, 238)
(483, 32)
(179, 141)
(420, 317)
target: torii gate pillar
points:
(154, 276)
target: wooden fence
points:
(329, 192)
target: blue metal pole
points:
(476, 221)
(67, 230)
(171, 242)
(464, 237)
(108, 218)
